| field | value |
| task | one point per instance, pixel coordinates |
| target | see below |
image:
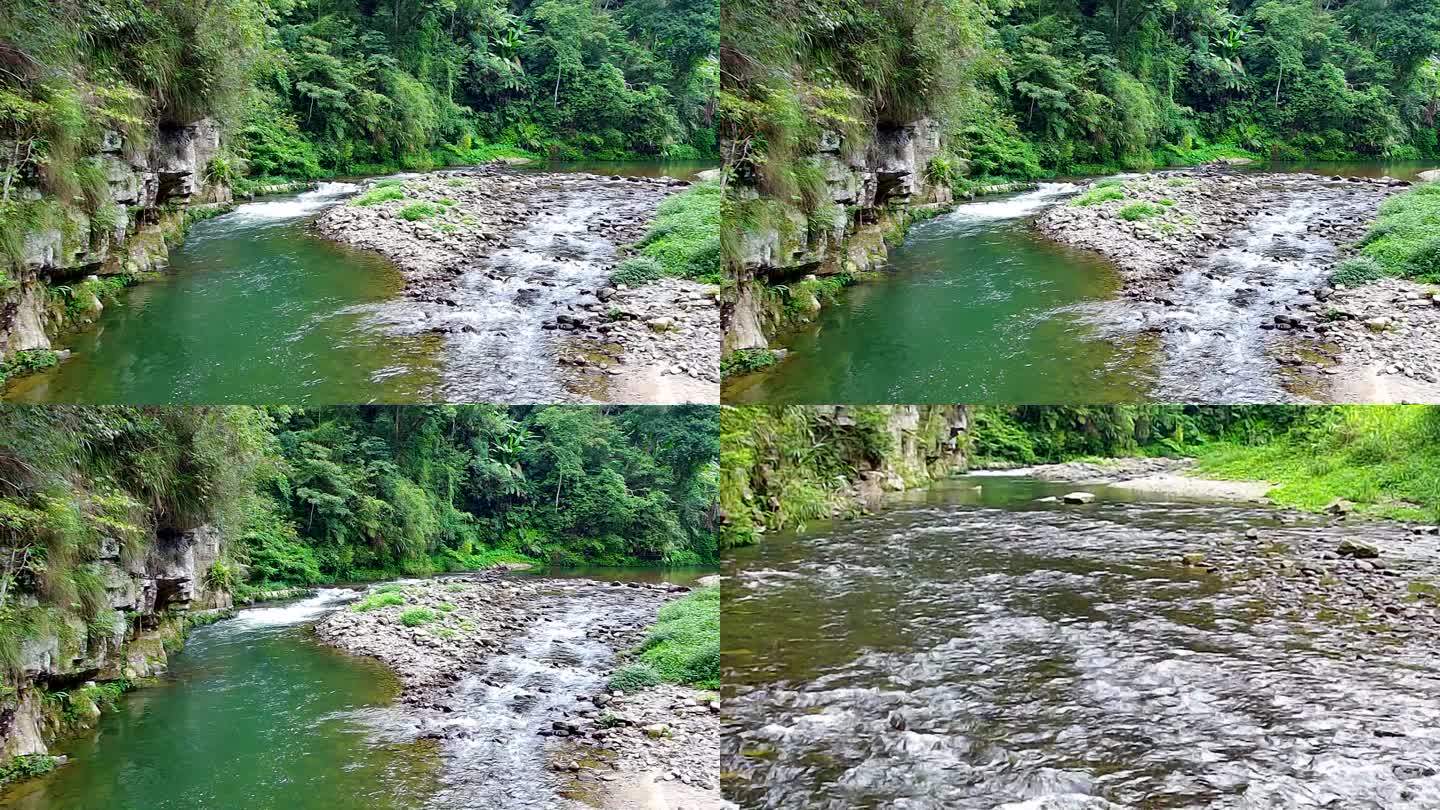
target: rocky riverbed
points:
(508, 675)
(1224, 653)
(508, 265)
(1230, 271)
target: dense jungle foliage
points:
(782, 467)
(318, 495)
(1023, 89)
(308, 88)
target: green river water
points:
(976, 306)
(258, 308)
(257, 714)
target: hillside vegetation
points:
(782, 468)
(320, 495)
(311, 88)
(1028, 89)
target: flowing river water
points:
(976, 306)
(256, 712)
(256, 307)
(982, 648)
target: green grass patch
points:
(1135, 212)
(375, 196)
(1098, 195)
(375, 601)
(685, 236)
(415, 212)
(414, 617)
(445, 607)
(635, 677)
(637, 271)
(1357, 270)
(1386, 459)
(684, 644)
(1405, 238)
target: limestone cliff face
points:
(150, 190)
(151, 597)
(874, 187)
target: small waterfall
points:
(1019, 205)
(324, 601)
(323, 195)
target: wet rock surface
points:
(656, 343)
(1105, 471)
(1228, 656)
(1227, 271)
(509, 262)
(1379, 342)
(509, 677)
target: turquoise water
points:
(254, 714)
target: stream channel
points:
(984, 648)
(257, 713)
(976, 306)
(257, 307)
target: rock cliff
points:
(152, 598)
(879, 448)
(871, 191)
(128, 234)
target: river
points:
(976, 306)
(985, 649)
(256, 712)
(256, 307)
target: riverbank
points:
(508, 675)
(1232, 271)
(500, 262)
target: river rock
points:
(1357, 549)
(1078, 497)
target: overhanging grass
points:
(1405, 238)
(1386, 459)
(684, 644)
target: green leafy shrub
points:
(1405, 238)
(744, 361)
(684, 644)
(27, 766)
(414, 617)
(684, 239)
